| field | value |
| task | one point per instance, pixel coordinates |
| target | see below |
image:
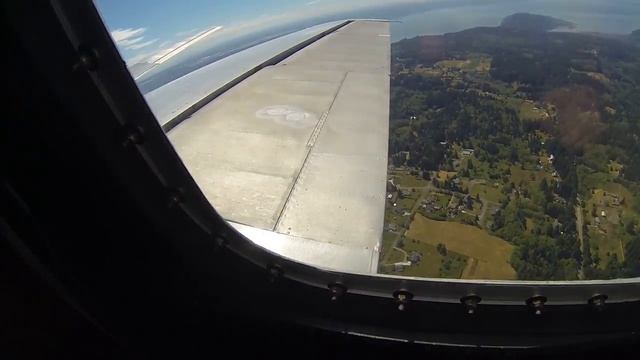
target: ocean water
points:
(431, 17)
(619, 17)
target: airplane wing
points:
(295, 155)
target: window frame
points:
(99, 58)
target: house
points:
(603, 214)
(391, 186)
(467, 152)
(415, 257)
(467, 201)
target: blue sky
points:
(143, 28)
(146, 30)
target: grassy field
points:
(387, 240)
(492, 253)
(475, 63)
(517, 175)
(395, 256)
(406, 203)
(487, 192)
(392, 218)
(408, 180)
(610, 237)
(432, 262)
(526, 110)
(443, 199)
(607, 246)
(451, 64)
(615, 168)
(479, 63)
(444, 175)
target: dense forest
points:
(552, 122)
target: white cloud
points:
(131, 39)
(120, 35)
(137, 46)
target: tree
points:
(630, 227)
(614, 268)
(544, 185)
(442, 249)
(536, 259)
(632, 257)
(513, 155)
(548, 230)
(595, 258)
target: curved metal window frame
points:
(98, 56)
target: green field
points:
(607, 245)
(518, 175)
(432, 262)
(474, 63)
(406, 203)
(609, 237)
(391, 218)
(387, 240)
(395, 256)
(487, 192)
(408, 180)
(492, 253)
(526, 109)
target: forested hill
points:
(533, 22)
(536, 60)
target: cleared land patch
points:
(492, 253)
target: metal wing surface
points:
(295, 155)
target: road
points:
(423, 190)
(486, 204)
